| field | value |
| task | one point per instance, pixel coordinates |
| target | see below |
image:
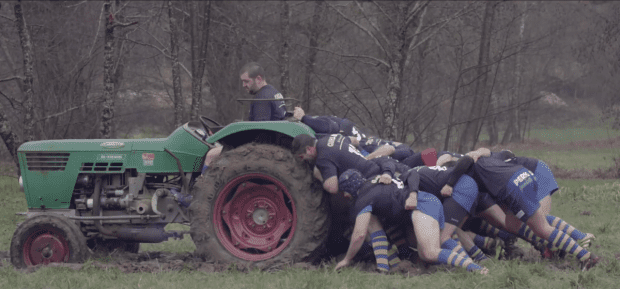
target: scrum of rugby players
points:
(453, 208)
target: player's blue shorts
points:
(465, 193)
(430, 205)
(520, 196)
(546, 182)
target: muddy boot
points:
(511, 250)
(491, 249)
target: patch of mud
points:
(157, 262)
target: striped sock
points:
(483, 242)
(567, 244)
(565, 227)
(380, 247)
(476, 254)
(493, 231)
(451, 258)
(454, 246)
(526, 233)
(393, 259)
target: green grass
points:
(577, 158)
(567, 135)
(601, 198)
(12, 200)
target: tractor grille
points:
(102, 167)
(47, 161)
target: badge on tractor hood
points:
(148, 159)
(113, 145)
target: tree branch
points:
(11, 78)
(377, 60)
(61, 113)
(372, 23)
(363, 29)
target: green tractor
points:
(255, 203)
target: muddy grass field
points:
(589, 199)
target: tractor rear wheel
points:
(45, 239)
(258, 204)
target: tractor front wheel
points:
(45, 239)
(256, 204)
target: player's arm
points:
(481, 152)
(331, 185)
(318, 124)
(461, 167)
(317, 174)
(413, 184)
(384, 150)
(357, 238)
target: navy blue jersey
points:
(267, 110)
(387, 201)
(371, 144)
(336, 154)
(321, 124)
(493, 175)
(432, 179)
(528, 163)
(349, 128)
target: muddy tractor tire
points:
(258, 205)
(45, 239)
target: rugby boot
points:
(591, 262)
(511, 250)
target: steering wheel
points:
(205, 123)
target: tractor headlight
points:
(21, 184)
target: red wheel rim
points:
(254, 217)
(46, 246)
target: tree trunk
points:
(107, 113)
(199, 44)
(11, 140)
(468, 135)
(512, 133)
(394, 90)
(176, 72)
(26, 43)
(459, 55)
(285, 15)
(312, 52)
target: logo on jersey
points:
(352, 149)
(399, 184)
(331, 140)
(438, 168)
(524, 179)
(278, 96)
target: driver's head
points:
(252, 77)
(350, 181)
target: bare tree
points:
(177, 98)
(312, 52)
(285, 26)
(26, 43)
(111, 74)
(199, 43)
(512, 132)
(470, 133)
